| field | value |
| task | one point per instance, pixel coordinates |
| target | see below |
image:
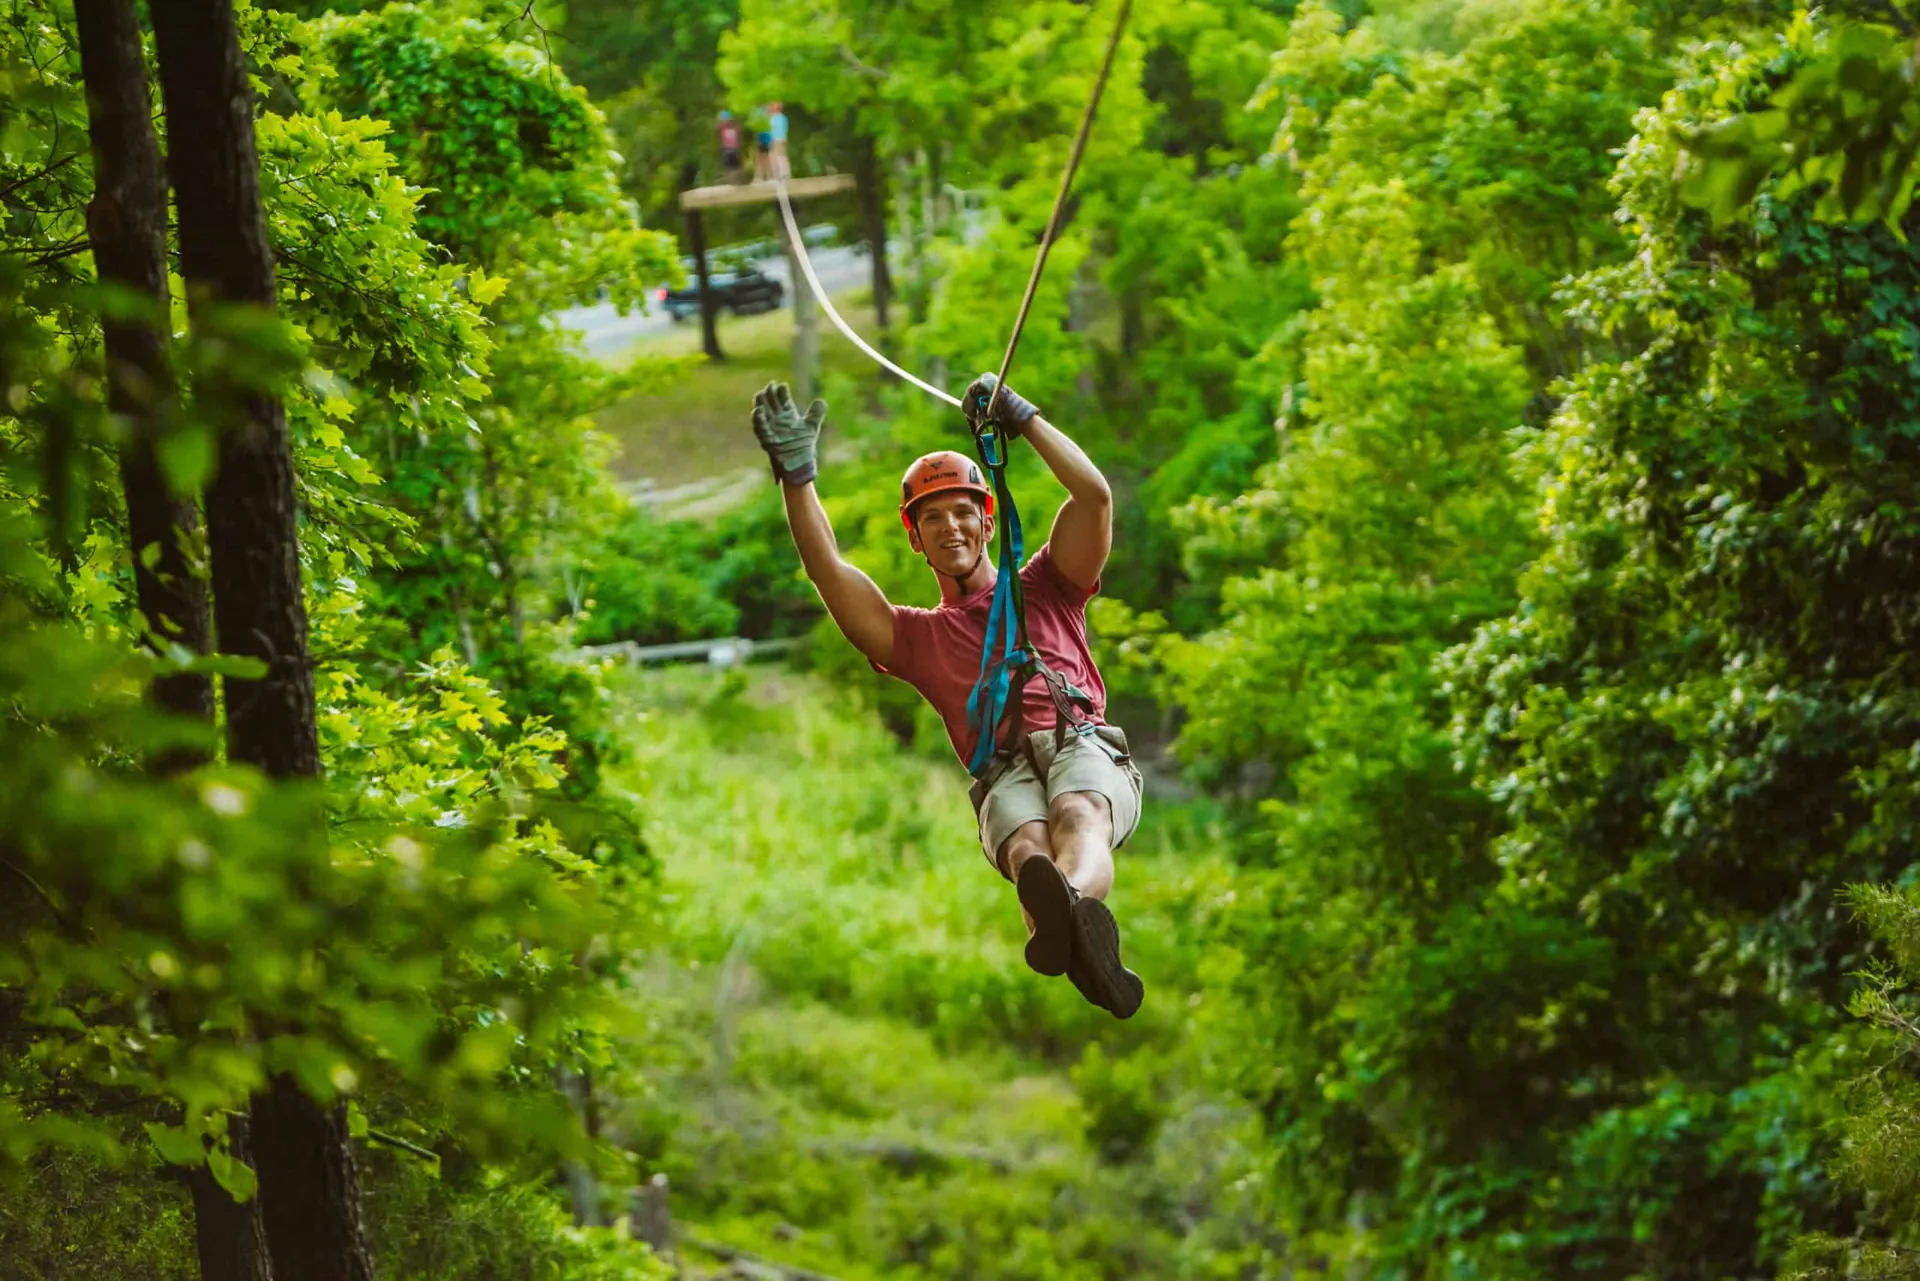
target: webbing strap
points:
(1007, 658)
(1004, 652)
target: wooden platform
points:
(749, 193)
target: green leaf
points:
(237, 666)
(186, 455)
(484, 289)
(175, 1144)
(233, 1174)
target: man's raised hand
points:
(1010, 411)
(790, 438)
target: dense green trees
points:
(1572, 1010)
(1516, 444)
(416, 934)
(1536, 958)
(1696, 722)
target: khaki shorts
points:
(1019, 786)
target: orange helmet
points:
(937, 472)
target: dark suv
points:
(741, 291)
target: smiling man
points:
(1060, 797)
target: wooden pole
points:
(806, 322)
(868, 172)
(709, 312)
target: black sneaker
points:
(1048, 898)
(1096, 969)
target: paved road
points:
(608, 333)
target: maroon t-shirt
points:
(937, 651)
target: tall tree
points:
(127, 225)
(308, 1184)
(1701, 719)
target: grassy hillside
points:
(852, 1069)
(696, 429)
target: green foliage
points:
(655, 581)
(489, 451)
(107, 1227)
(384, 949)
(1438, 1057)
(1473, 1074)
(1123, 1098)
(440, 923)
(516, 161)
(427, 1225)
(1876, 1151)
(1693, 722)
(1837, 115)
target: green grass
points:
(697, 429)
(849, 1068)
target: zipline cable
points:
(1007, 658)
(813, 282)
(1040, 259)
(1060, 200)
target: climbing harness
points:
(1007, 660)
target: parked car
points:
(741, 291)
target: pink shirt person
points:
(937, 651)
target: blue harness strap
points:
(1005, 653)
(1008, 659)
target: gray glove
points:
(1011, 411)
(789, 437)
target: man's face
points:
(951, 531)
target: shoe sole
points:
(1099, 974)
(1048, 900)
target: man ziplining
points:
(1055, 791)
(1060, 793)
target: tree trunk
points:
(697, 245)
(228, 1234)
(914, 250)
(309, 1194)
(251, 536)
(309, 1186)
(127, 224)
(651, 1215)
(583, 1189)
(867, 171)
(928, 224)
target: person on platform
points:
(777, 128)
(729, 146)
